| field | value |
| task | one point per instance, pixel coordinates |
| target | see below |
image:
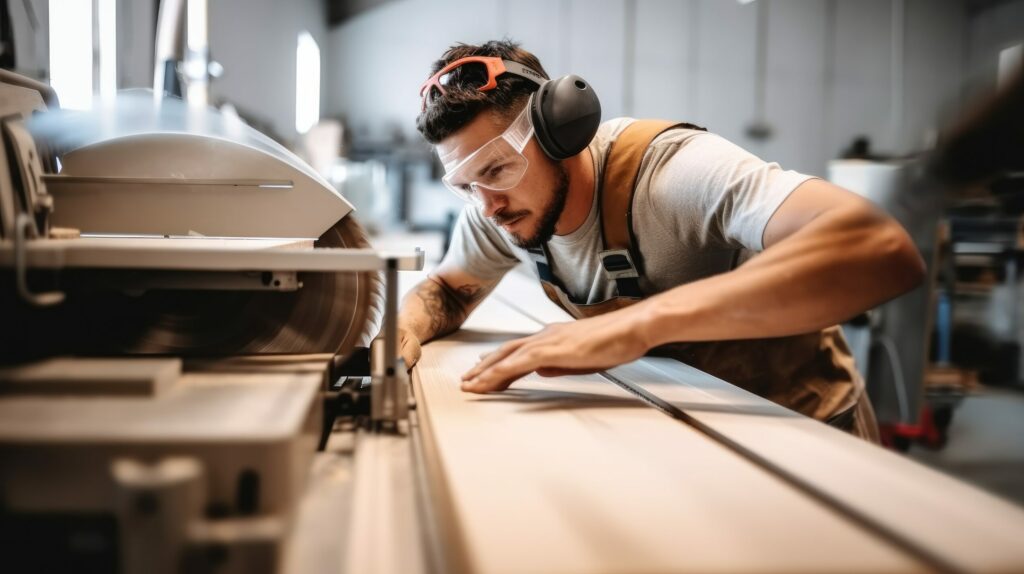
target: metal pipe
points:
(168, 47)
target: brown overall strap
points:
(618, 185)
(619, 256)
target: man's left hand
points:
(584, 346)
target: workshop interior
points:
(210, 211)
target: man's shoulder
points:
(607, 132)
(613, 127)
(610, 130)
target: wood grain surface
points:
(962, 526)
(573, 474)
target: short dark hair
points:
(458, 106)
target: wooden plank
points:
(575, 475)
(962, 525)
(965, 527)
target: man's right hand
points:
(436, 307)
(409, 348)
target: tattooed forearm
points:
(445, 308)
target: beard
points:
(545, 227)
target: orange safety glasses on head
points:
(480, 72)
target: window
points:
(73, 67)
(71, 52)
(307, 83)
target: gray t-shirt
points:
(700, 202)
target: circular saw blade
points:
(330, 313)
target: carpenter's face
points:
(526, 212)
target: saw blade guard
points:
(142, 166)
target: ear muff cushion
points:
(566, 114)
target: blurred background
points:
(863, 92)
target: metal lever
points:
(23, 223)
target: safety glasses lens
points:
(496, 166)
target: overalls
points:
(811, 373)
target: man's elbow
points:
(904, 268)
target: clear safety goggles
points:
(498, 165)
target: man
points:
(701, 206)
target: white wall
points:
(255, 41)
(665, 55)
(835, 69)
(933, 73)
(799, 54)
(136, 32)
(860, 91)
(725, 72)
(378, 59)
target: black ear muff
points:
(566, 114)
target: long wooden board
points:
(961, 526)
(575, 475)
